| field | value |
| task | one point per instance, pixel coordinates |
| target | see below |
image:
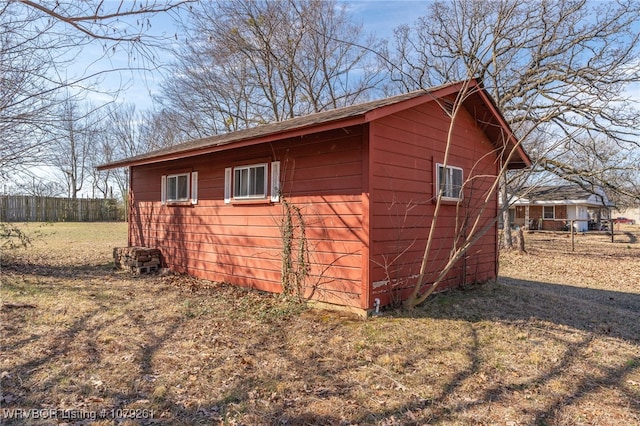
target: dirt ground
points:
(556, 341)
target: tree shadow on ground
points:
(590, 312)
(57, 271)
(317, 376)
(604, 312)
(632, 237)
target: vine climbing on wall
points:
(295, 251)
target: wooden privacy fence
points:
(24, 208)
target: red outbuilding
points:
(359, 185)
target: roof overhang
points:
(559, 195)
(584, 203)
(239, 141)
(482, 106)
(477, 102)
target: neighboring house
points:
(364, 180)
(552, 208)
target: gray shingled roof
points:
(277, 127)
(542, 194)
(302, 124)
(564, 192)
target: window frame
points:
(447, 193)
(177, 198)
(553, 212)
(249, 183)
(191, 188)
(271, 184)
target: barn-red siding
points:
(240, 242)
(404, 150)
(363, 179)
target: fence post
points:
(611, 220)
(573, 237)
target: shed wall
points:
(241, 243)
(404, 150)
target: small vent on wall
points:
(447, 105)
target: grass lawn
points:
(556, 341)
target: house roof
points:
(561, 194)
(478, 103)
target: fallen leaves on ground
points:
(555, 341)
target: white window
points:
(548, 212)
(180, 187)
(251, 182)
(449, 181)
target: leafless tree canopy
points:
(41, 47)
(76, 131)
(126, 132)
(558, 70)
(249, 62)
(25, 107)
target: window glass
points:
(183, 187)
(547, 212)
(442, 180)
(449, 181)
(257, 181)
(250, 181)
(178, 187)
(171, 188)
(456, 183)
(240, 179)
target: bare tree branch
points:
(556, 68)
(42, 47)
(252, 62)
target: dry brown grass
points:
(555, 342)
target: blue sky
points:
(380, 17)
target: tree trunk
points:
(520, 238)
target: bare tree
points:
(41, 47)
(35, 186)
(124, 135)
(102, 181)
(159, 129)
(119, 139)
(77, 135)
(26, 107)
(125, 132)
(599, 163)
(557, 69)
(250, 62)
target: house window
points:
(449, 181)
(250, 181)
(179, 188)
(548, 212)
